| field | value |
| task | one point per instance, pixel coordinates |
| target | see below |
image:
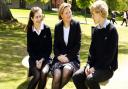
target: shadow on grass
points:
(12, 49)
(85, 44)
(23, 85)
(123, 48)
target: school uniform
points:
(103, 55)
(39, 45)
(67, 42)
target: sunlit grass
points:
(13, 47)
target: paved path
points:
(120, 78)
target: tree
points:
(40, 1)
(74, 5)
(22, 3)
(65, 0)
(122, 5)
(83, 4)
(5, 13)
(117, 4)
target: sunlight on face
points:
(67, 14)
(96, 17)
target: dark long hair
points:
(31, 15)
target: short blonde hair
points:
(61, 9)
(100, 7)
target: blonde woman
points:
(67, 38)
(103, 52)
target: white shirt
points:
(66, 34)
(106, 22)
(41, 28)
(125, 15)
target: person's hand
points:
(87, 70)
(90, 73)
(63, 58)
(92, 70)
(39, 63)
(60, 57)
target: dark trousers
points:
(113, 20)
(124, 21)
(81, 81)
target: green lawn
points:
(13, 47)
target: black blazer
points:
(39, 46)
(103, 52)
(74, 41)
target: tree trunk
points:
(5, 13)
(74, 6)
(65, 0)
(85, 16)
(22, 3)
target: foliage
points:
(123, 5)
(74, 5)
(84, 3)
(13, 48)
(5, 13)
(42, 1)
(117, 4)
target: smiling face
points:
(67, 14)
(37, 19)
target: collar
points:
(106, 22)
(41, 27)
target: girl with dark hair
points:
(39, 47)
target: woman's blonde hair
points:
(100, 7)
(61, 9)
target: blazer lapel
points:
(70, 37)
(62, 35)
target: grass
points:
(13, 47)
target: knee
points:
(67, 67)
(57, 79)
(45, 70)
(67, 70)
(57, 75)
(57, 72)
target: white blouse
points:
(66, 34)
(41, 28)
